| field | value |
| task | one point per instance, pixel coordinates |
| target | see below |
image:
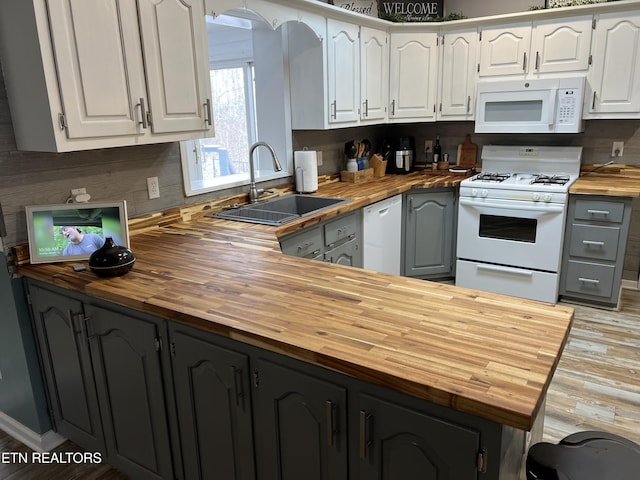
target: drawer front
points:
(598, 211)
(307, 243)
(597, 242)
(590, 279)
(340, 229)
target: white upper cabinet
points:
(458, 70)
(374, 75)
(106, 73)
(504, 49)
(546, 46)
(561, 46)
(413, 76)
(343, 58)
(613, 84)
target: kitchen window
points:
(222, 161)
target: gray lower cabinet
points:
(397, 442)
(429, 233)
(301, 422)
(64, 351)
(595, 242)
(129, 378)
(213, 399)
(105, 380)
(336, 241)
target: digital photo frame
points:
(72, 231)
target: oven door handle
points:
(500, 268)
(545, 208)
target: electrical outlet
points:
(319, 157)
(617, 149)
(78, 191)
(153, 187)
(428, 146)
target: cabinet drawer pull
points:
(598, 212)
(330, 410)
(593, 243)
(365, 431)
(592, 281)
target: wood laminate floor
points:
(596, 387)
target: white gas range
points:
(511, 220)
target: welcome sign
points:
(410, 10)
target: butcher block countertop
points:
(485, 354)
(613, 180)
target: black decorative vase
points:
(111, 260)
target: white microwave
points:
(549, 105)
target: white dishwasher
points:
(382, 234)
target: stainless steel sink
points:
(280, 210)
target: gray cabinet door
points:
(131, 392)
(213, 398)
(59, 323)
(429, 234)
(396, 442)
(348, 253)
(302, 426)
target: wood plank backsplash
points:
(31, 178)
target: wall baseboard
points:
(40, 443)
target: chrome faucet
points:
(254, 193)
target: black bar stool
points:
(587, 455)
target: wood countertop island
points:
(612, 181)
(488, 355)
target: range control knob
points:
(474, 192)
(535, 196)
(485, 193)
(546, 197)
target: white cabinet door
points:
(561, 46)
(459, 75)
(374, 81)
(343, 69)
(100, 74)
(614, 81)
(175, 54)
(413, 77)
(504, 49)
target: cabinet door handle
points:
(592, 281)
(334, 108)
(365, 432)
(469, 104)
(330, 410)
(143, 114)
(537, 60)
(524, 62)
(393, 107)
(593, 243)
(208, 115)
(236, 388)
(593, 102)
(366, 107)
(598, 212)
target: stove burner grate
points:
(491, 177)
(550, 180)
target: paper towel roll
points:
(306, 165)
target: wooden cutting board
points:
(467, 154)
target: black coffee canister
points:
(111, 259)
